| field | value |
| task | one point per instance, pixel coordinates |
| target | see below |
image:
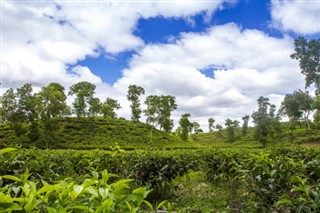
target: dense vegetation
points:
(264, 180)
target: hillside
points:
(92, 133)
(101, 133)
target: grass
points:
(194, 193)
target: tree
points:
(52, 105)
(19, 110)
(297, 105)
(211, 122)
(84, 92)
(9, 106)
(134, 92)
(231, 126)
(108, 108)
(219, 127)
(196, 128)
(185, 125)
(27, 111)
(263, 120)
(316, 106)
(308, 54)
(94, 107)
(245, 124)
(159, 110)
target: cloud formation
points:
(255, 64)
(302, 17)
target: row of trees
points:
(23, 106)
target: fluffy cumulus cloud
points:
(42, 39)
(302, 17)
(254, 64)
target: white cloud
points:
(41, 39)
(255, 64)
(302, 17)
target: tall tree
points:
(108, 108)
(52, 105)
(9, 106)
(305, 105)
(185, 125)
(84, 92)
(211, 122)
(263, 120)
(27, 110)
(159, 110)
(297, 105)
(245, 124)
(231, 126)
(134, 92)
(308, 54)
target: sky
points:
(216, 57)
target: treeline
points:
(25, 110)
(22, 106)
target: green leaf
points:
(92, 191)
(78, 189)
(6, 150)
(48, 188)
(148, 204)
(89, 183)
(296, 180)
(129, 206)
(161, 204)
(5, 198)
(283, 202)
(9, 207)
(51, 210)
(299, 189)
(11, 177)
(273, 172)
(83, 208)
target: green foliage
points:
(108, 108)
(134, 92)
(259, 179)
(265, 120)
(267, 176)
(186, 126)
(52, 104)
(211, 122)
(245, 125)
(231, 126)
(297, 105)
(84, 104)
(303, 197)
(92, 133)
(94, 194)
(308, 54)
(159, 110)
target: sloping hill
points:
(92, 133)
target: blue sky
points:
(216, 57)
(247, 14)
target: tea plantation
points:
(119, 166)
